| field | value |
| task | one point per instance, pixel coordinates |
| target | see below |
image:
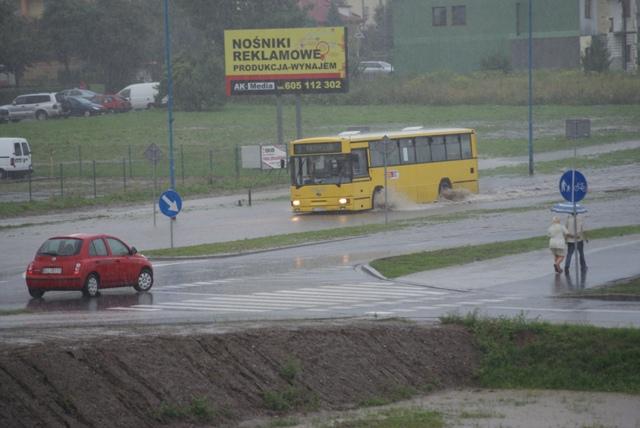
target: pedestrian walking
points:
(556, 232)
(575, 238)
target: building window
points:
(587, 9)
(439, 16)
(458, 15)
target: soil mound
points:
(149, 379)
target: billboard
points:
(285, 61)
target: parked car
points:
(112, 103)
(374, 68)
(76, 106)
(87, 263)
(15, 157)
(141, 95)
(77, 92)
(40, 106)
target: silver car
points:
(374, 68)
(40, 106)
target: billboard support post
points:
(298, 117)
(279, 119)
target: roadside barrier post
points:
(210, 167)
(30, 195)
(79, 161)
(124, 174)
(130, 168)
(95, 192)
(61, 182)
(182, 161)
(249, 196)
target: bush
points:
(496, 62)
(596, 57)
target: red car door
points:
(101, 262)
(122, 264)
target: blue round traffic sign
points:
(573, 186)
(170, 203)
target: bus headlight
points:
(343, 201)
(295, 203)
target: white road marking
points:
(194, 308)
(131, 308)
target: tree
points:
(117, 43)
(18, 41)
(198, 81)
(334, 19)
(378, 40)
(597, 58)
(64, 26)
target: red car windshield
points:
(60, 247)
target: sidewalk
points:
(530, 273)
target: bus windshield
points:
(321, 169)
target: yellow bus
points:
(345, 172)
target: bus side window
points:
(465, 142)
(376, 148)
(438, 152)
(453, 147)
(407, 151)
(423, 152)
(359, 163)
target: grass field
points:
(502, 131)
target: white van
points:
(15, 157)
(141, 95)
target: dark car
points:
(87, 263)
(112, 103)
(77, 92)
(76, 106)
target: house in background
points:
(457, 35)
(318, 10)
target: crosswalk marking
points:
(328, 296)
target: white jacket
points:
(556, 233)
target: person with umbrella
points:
(575, 226)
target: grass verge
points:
(393, 267)
(524, 354)
(617, 158)
(627, 289)
(256, 244)
(396, 418)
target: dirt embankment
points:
(224, 378)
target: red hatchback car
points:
(87, 263)
(112, 103)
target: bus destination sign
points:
(285, 61)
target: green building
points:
(457, 35)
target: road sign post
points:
(170, 205)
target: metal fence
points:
(197, 170)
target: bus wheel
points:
(444, 187)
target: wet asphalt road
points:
(326, 280)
